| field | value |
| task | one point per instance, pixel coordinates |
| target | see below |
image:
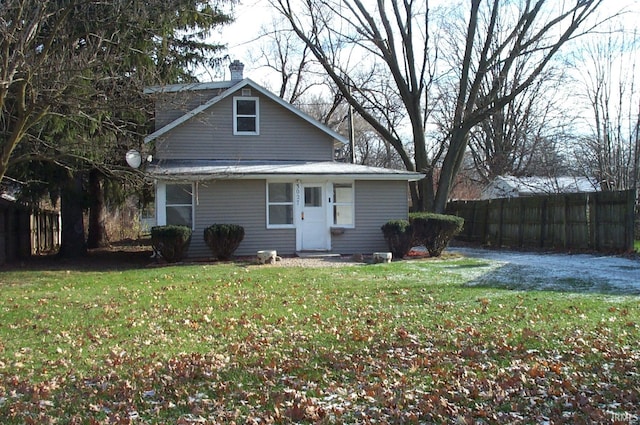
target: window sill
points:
(280, 226)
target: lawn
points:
(406, 342)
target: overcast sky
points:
(241, 37)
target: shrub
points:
(399, 237)
(171, 241)
(434, 231)
(223, 239)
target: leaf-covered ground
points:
(407, 342)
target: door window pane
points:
(313, 196)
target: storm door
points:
(313, 218)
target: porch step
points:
(316, 254)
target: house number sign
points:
(298, 192)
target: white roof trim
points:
(225, 94)
(214, 170)
(174, 88)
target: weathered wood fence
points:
(601, 221)
(25, 232)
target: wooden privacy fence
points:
(45, 232)
(601, 221)
(25, 232)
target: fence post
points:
(593, 202)
(630, 220)
(543, 222)
(565, 224)
(474, 217)
(486, 236)
(521, 223)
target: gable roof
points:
(230, 88)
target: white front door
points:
(313, 229)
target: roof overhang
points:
(218, 170)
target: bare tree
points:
(525, 137)
(360, 45)
(608, 69)
(522, 138)
(282, 53)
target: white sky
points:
(242, 35)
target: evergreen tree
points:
(73, 105)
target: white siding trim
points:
(235, 116)
(161, 203)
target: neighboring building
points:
(513, 187)
(233, 152)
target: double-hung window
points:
(279, 205)
(179, 204)
(343, 204)
(246, 116)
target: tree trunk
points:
(73, 244)
(97, 236)
(450, 167)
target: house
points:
(233, 152)
(512, 187)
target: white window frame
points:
(161, 201)
(350, 203)
(237, 132)
(291, 225)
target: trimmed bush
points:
(434, 231)
(171, 241)
(399, 237)
(223, 239)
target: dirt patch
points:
(119, 256)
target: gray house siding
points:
(171, 106)
(241, 202)
(376, 202)
(283, 136)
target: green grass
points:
(637, 246)
(400, 342)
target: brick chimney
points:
(236, 67)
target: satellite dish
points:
(134, 159)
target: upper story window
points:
(246, 116)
